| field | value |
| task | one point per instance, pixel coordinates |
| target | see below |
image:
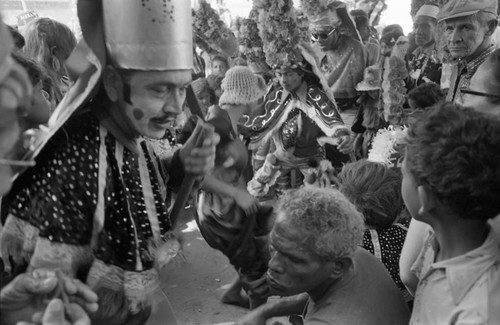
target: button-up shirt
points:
(462, 73)
(460, 290)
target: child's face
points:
(39, 110)
(385, 49)
(409, 190)
(204, 100)
(219, 67)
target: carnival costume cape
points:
(318, 107)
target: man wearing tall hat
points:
(95, 206)
(342, 57)
(423, 62)
(469, 26)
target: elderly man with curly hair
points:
(317, 264)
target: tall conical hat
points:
(149, 35)
(139, 35)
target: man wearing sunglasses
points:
(343, 55)
(469, 26)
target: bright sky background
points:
(397, 12)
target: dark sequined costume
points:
(386, 245)
(91, 204)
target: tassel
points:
(165, 251)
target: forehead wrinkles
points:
(284, 232)
(174, 77)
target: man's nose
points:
(175, 102)
(456, 35)
(275, 265)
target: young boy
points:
(451, 181)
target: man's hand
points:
(346, 144)
(255, 317)
(55, 315)
(259, 287)
(25, 297)
(198, 153)
(342, 139)
(245, 201)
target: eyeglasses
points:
(478, 93)
(323, 35)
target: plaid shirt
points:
(462, 74)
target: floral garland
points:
(303, 24)
(212, 33)
(250, 41)
(313, 8)
(393, 89)
(279, 32)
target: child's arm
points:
(241, 196)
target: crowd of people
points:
(350, 173)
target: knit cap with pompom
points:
(241, 86)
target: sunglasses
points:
(478, 93)
(322, 35)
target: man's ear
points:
(113, 83)
(427, 201)
(340, 266)
(492, 26)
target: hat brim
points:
(458, 15)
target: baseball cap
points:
(463, 8)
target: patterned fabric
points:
(386, 245)
(290, 129)
(424, 66)
(320, 110)
(88, 190)
(462, 74)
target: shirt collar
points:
(301, 93)
(463, 271)
(472, 66)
